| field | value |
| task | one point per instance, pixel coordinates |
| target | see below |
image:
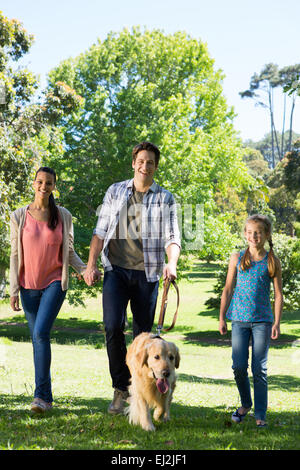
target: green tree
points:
(284, 182)
(289, 75)
(257, 165)
(261, 89)
(16, 88)
(265, 82)
(27, 126)
(264, 146)
(147, 86)
(291, 179)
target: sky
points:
(241, 35)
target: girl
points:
(41, 251)
(251, 314)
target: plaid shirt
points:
(159, 224)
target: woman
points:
(41, 251)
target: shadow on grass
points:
(202, 270)
(204, 380)
(288, 383)
(64, 331)
(83, 423)
(67, 331)
(213, 338)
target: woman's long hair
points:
(53, 219)
(246, 261)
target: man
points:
(137, 225)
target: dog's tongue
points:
(162, 385)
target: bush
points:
(287, 249)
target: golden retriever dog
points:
(152, 362)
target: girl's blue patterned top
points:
(251, 297)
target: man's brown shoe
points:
(40, 406)
(117, 405)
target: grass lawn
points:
(204, 398)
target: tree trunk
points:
(2, 281)
(283, 125)
(272, 129)
(291, 124)
(273, 123)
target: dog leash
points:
(163, 308)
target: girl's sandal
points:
(261, 424)
(237, 417)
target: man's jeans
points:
(41, 307)
(119, 287)
(260, 333)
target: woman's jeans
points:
(119, 287)
(260, 334)
(41, 307)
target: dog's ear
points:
(177, 358)
(142, 357)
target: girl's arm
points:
(227, 292)
(278, 300)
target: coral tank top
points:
(42, 253)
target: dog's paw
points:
(148, 427)
(158, 415)
(161, 418)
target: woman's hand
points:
(92, 275)
(14, 303)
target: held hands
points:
(92, 275)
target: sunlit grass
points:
(204, 398)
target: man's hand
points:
(14, 303)
(169, 271)
(91, 275)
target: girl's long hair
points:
(53, 219)
(246, 261)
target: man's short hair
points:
(146, 146)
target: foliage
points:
(218, 239)
(257, 165)
(293, 85)
(297, 221)
(27, 124)
(261, 89)
(17, 88)
(284, 186)
(140, 86)
(291, 165)
(288, 251)
(147, 86)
